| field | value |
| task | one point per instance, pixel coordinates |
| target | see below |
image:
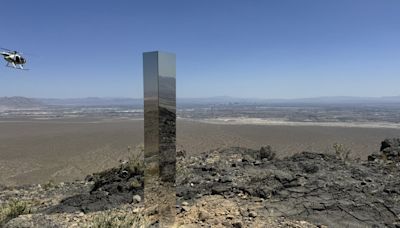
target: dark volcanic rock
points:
(390, 151)
(111, 188)
(309, 186)
(181, 153)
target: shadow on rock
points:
(111, 188)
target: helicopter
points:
(14, 58)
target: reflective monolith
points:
(159, 81)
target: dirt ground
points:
(42, 151)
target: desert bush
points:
(118, 220)
(49, 185)
(182, 171)
(341, 151)
(13, 209)
(136, 158)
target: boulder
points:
(390, 151)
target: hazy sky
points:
(258, 48)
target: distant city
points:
(323, 109)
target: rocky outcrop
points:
(319, 188)
(237, 187)
(109, 189)
(390, 151)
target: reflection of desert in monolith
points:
(160, 137)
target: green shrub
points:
(13, 209)
(136, 184)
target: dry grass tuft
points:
(13, 209)
(136, 158)
(118, 220)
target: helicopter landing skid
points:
(17, 68)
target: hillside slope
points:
(232, 187)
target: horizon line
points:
(210, 97)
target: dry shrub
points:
(342, 152)
(136, 158)
(13, 209)
(119, 220)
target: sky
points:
(249, 49)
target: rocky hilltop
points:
(230, 187)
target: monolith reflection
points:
(160, 136)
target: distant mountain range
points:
(24, 102)
(344, 99)
(19, 102)
(314, 100)
(92, 101)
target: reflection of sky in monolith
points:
(160, 136)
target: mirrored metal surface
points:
(160, 136)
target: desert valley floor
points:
(41, 151)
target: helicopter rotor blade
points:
(11, 51)
(5, 49)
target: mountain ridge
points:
(19, 102)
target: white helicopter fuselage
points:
(13, 58)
